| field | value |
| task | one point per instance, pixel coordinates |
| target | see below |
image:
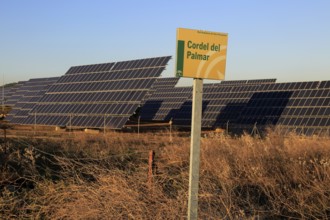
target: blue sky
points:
(287, 40)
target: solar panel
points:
(4, 94)
(251, 81)
(28, 94)
(98, 95)
(264, 108)
(102, 67)
(166, 82)
(308, 108)
(164, 103)
(169, 82)
(10, 97)
(261, 81)
(233, 82)
(325, 85)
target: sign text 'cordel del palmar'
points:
(201, 54)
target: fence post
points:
(104, 123)
(35, 123)
(151, 166)
(139, 126)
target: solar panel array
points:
(106, 95)
(97, 96)
(302, 106)
(10, 94)
(220, 104)
(165, 103)
(28, 95)
(4, 94)
(160, 83)
(308, 109)
(175, 103)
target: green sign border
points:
(180, 58)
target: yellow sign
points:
(201, 54)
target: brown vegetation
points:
(106, 177)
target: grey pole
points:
(195, 148)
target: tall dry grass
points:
(106, 177)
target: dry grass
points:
(106, 177)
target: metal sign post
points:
(200, 55)
(196, 119)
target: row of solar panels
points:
(107, 95)
(91, 96)
(303, 106)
